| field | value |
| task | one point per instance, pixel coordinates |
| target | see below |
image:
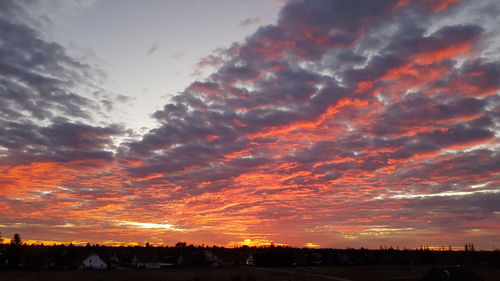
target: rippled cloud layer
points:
(346, 123)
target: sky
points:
(322, 123)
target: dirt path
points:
(328, 277)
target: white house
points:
(93, 262)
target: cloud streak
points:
(250, 21)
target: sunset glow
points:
(329, 124)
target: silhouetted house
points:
(195, 258)
(168, 261)
(119, 259)
(179, 259)
(227, 261)
(150, 261)
(93, 261)
(3, 260)
(451, 273)
(212, 258)
(48, 262)
(114, 261)
(299, 260)
(316, 259)
(345, 259)
(249, 261)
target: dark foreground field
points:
(354, 273)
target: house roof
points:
(148, 257)
(84, 257)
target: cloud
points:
(152, 49)
(346, 124)
(250, 21)
(336, 118)
(42, 118)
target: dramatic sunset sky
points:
(326, 123)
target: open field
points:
(354, 273)
(395, 272)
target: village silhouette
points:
(444, 263)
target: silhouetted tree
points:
(17, 240)
(181, 244)
(469, 247)
(14, 252)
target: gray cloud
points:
(343, 113)
(40, 111)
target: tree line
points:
(17, 254)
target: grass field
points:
(354, 273)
